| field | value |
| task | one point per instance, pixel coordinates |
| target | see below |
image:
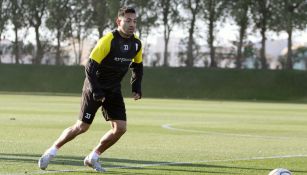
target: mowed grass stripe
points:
(28, 125)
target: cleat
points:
(44, 161)
(93, 164)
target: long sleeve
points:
(95, 87)
(136, 78)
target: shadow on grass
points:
(144, 165)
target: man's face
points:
(127, 24)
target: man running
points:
(109, 61)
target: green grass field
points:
(181, 137)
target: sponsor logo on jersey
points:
(122, 59)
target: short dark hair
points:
(122, 11)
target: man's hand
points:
(102, 100)
(136, 96)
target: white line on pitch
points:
(163, 164)
(169, 127)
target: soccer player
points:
(109, 61)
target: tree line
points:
(71, 21)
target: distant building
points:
(6, 53)
(277, 48)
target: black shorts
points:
(113, 107)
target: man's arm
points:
(95, 87)
(99, 52)
(136, 79)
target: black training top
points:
(110, 59)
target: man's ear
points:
(118, 21)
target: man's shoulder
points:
(108, 35)
(137, 39)
(107, 38)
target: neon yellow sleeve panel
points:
(139, 56)
(102, 48)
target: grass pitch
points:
(164, 137)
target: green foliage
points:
(194, 8)
(240, 10)
(78, 19)
(16, 14)
(263, 15)
(4, 16)
(292, 14)
(169, 18)
(59, 13)
(103, 14)
(146, 13)
(249, 51)
(299, 55)
(213, 11)
(41, 78)
(195, 83)
(34, 11)
(59, 22)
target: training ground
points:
(165, 136)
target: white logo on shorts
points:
(88, 116)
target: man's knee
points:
(81, 127)
(121, 130)
(119, 127)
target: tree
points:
(170, 17)
(146, 15)
(213, 10)
(146, 18)
(3, 15)
(194, 6)
(16, 16)
(262, 15)
(103, 13)
(240, 12)
(58, 21)
(300, 55)
(79, 26)
(34, 12)
(3, 18)
(291, 15)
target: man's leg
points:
(113, 110)
(67, 135)
(89, 107)
(70, 133)
(119, 127)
